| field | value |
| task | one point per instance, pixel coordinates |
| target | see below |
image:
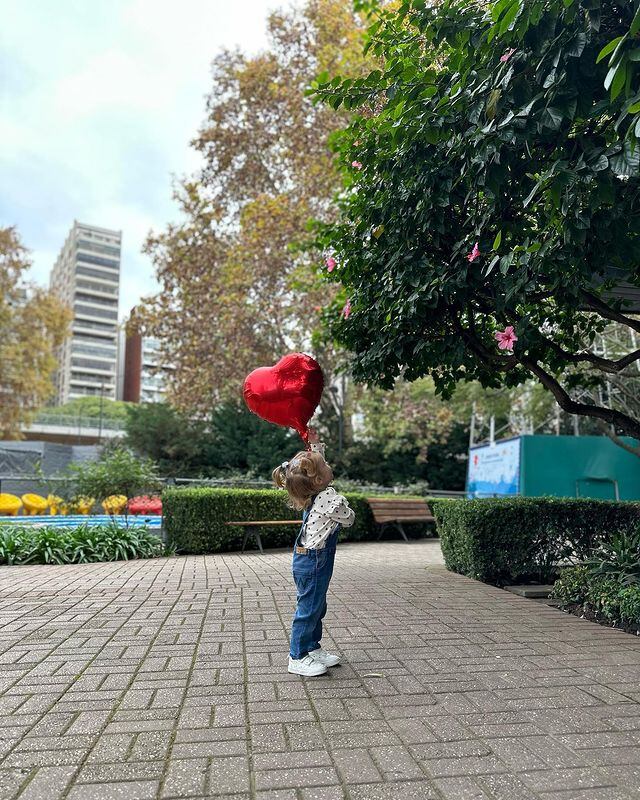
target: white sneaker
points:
(307, 667)
(322, 657)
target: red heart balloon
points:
(287, 393)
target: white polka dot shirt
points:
(329, 509)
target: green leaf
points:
(489, 269)
(432, 135)
(627, 161)
(619, 80)
(492, 103)
(635, 25)
(552, 118)
(509, 17)
(609, 48)
(497, 240)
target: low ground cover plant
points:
(28, 544)
(606, 588)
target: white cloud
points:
(96, 114)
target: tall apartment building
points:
(86, 276)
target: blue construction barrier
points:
(153, 522)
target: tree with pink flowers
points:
(490, 220)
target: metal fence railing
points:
(79, 422)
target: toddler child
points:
(307, 478)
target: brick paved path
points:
(166, 679)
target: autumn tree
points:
(237, 288)
(32, 324)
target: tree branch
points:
(606, 429)
(628, 424)
(605, 364)
(608, 313)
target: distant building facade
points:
(141, 374)
(86, 277)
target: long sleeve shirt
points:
(329, 509)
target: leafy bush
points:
(618, 558)
(630, 605)
(503, 540)
(603, 596)
(195, 519)
(27, 544)
(118, 471)
(607, 598)
(572, 586)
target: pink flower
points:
(506, 338)
(346, 311)
(356, 164)
(507, 55)
(475, 253)
(331, 264)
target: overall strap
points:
(305, 517)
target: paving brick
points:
(126, 790)
(228, 775)
(185, 777)
(409, 790)
(355, 765)
(296, 776)
(48, 783)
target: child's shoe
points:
(306, 666)
(322, 657)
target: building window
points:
(101, 301)
(99, 326)
(104, 262)
(96, 340)
(90, 377)
(90, 286)
(95, 312)
(91, 350)
(95, 273)
(89, 363)
(99, 248)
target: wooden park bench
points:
(392, 511)
(251, 529)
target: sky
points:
(98, 102)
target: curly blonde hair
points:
(300, 477)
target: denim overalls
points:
(312, 570)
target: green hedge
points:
(506, 540)
(194, 519)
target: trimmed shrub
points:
(195, 518)
(505, 540)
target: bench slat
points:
(399, 510)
